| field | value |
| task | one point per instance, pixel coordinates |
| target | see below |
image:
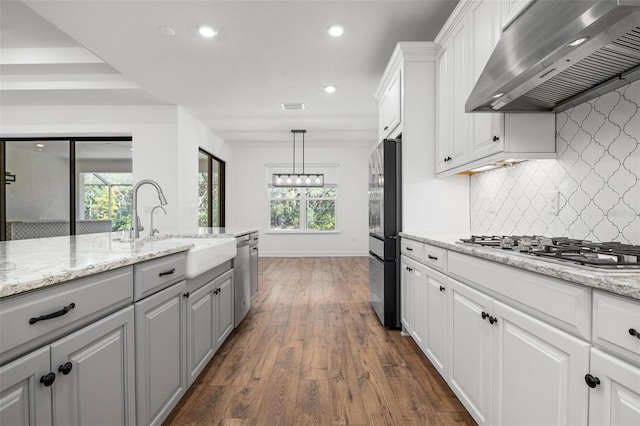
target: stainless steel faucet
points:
(136, 225)
(154, 231)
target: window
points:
(107, 196)
(211, 190)
(303, 209)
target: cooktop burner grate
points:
(607, 255)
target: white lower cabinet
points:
(209, 322)
(84, 378)
(537, 371)
(510, 368)
(615, 396)
(160, 353)
(471, 340)
(437, 323)
(406, 294)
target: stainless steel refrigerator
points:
(385, 216)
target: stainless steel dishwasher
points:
(242, 279)
(253, 255)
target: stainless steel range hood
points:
(534, 68)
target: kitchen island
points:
(102, 308)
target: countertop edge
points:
(622, 283)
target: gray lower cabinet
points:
(209, 322)
(23, 399)
(160, 353)
(84, 378)
(224, 307)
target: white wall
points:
(41, 189)
(193, 135)
(249, 206)
(165, 148)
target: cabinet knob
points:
(48, 379)
(484, 315)
(442, 288)
(386, 128)
(496, 138)
(186, 295)
(591, 381)
(65, 368)
(492, 320)
(634, 332)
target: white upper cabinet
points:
(468, 140)
(390, 107)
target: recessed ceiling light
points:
(167, 31)
(336, 30)
(497, 95)
(207, 32)
(330, 89)
(40, 145)
(577, 42)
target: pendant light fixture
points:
(293, 179)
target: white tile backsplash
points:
(596, 174)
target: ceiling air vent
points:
(292, 106)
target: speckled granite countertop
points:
(31, 264)
(624, 283)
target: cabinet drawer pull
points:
(169, 272)
(386, 128)
(409, 249)
(65, 368)
(432, 257)
(634, 332)
(56, 314)
(591, 381)
(48, 379)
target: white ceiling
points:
(266, 53)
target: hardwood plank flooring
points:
(312, 352)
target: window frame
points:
(303, 199)
(221, 188)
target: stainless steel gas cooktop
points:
(610, 255)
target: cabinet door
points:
(23, 399)
(406, 295)
(224, 307)
(444, 110)
(616, 400)
(484, 28)
(201, 330)
(538, 372)
(435, 345)
(160, 353)
(390, 107)
(420, 295)
(253, 265)
(470, 349)
(460, 91)
(99, 384)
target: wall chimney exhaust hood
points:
(558, 54)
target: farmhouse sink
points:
(207, 253)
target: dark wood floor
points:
(312, 352)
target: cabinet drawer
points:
(154, 275)
(434, 257)
(411, 248)
(23, 323)
(616, 324)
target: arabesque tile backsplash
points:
(596, 174)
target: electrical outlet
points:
(553, 202)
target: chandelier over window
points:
(315, 180)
